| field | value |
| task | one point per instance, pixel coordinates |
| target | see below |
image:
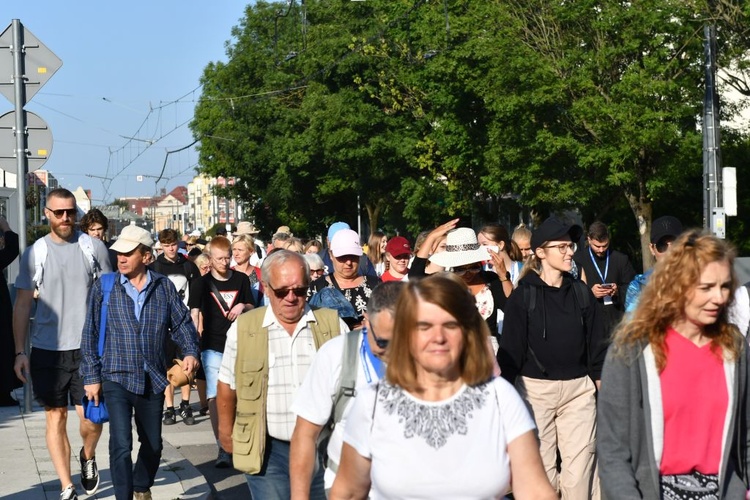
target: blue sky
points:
(130, 70)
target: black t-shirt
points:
(235, 290)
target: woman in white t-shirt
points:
(439, 425)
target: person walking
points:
(674, 411)
(216, 301)
(181, 272)
(59, 270)
(265, 360)
(8, 253)
(552, 348)
(327, 378)
(144, 309)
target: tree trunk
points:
(373, 216)
(642, 209)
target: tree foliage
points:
(428, 109)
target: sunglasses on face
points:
(467, 269)
(316, 271)
(71, 212)
(381, 343)
(281, 293)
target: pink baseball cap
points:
(345, 242)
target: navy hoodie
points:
(557, 341)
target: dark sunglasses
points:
(467, 269)
(281, 293)
(72, 212)
(381, 343)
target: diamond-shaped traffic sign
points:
(39, 63)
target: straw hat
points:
(461, 249)
(246, 228)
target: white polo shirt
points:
(315, 396)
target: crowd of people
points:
(465, 364)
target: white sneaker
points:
(69, 493)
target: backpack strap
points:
(40, 256)
(86, 243)
(348, 378)
(346, 389)
(108, 283)
(529, 298)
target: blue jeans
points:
(147, 407)
(272, 482)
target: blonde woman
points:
(376, 251)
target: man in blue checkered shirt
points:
(144, 308)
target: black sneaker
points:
(89, 474)
(169, 417)
(186, 414)
(69, 493)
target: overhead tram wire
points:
(300, 84)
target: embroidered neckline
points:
(434, 422)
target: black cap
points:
(553, 229)
(665, 226)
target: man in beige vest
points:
(265, 360)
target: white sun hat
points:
(461, 249)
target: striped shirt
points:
(135, 343)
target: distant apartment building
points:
(205, 208)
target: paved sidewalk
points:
(26, 471)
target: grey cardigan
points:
(630, 426)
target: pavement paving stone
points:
(27, 473)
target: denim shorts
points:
(211, 361)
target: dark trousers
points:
(272, 482)
(122, 403)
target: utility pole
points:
(714, 217)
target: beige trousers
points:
(565, 416)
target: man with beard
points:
(69, 270)
(608, 273)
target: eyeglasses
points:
(71, 212)
(564, 247)
(281, 293)
(381, 343)
(317, 271)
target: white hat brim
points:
(461, 258)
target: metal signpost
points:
(25, 66)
